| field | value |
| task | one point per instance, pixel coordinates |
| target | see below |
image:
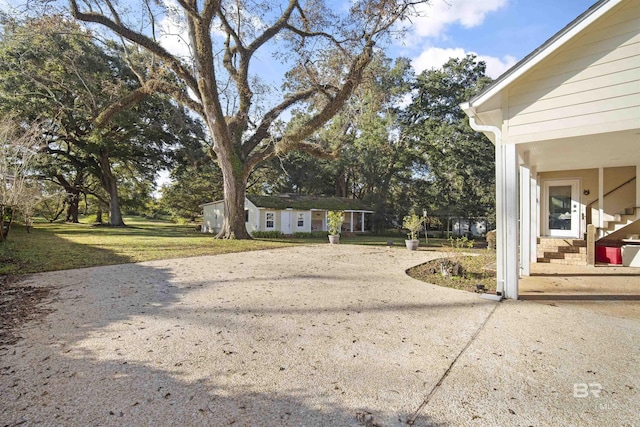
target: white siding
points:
(212, 217)
(254, 216)
(590, 84)
(306, 217)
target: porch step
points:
(562, 251)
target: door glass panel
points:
(560, 207)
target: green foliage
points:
(334, 222)
(457, 174)
(51, 69)
(192, 185)
(273, 234)
(413, 223)
(460, 243)
(310, 235)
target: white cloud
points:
(435, 57)
(436, 16)
(497, 66)
(173, 31)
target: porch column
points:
(525, 215)
(351, 223)
(362, 222)
(533, 192)
(637, 205)
(324, 221)
(600, 197)
(507, 219)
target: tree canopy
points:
(458, 177)
(52, 70)
(324, 52)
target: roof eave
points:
(543, 51)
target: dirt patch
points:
(18, 304)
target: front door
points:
(286, 222)
(562, 208)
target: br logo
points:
(583, 390)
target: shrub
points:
(179, 220)
(452, 265)
(267, 234)
(334, 222)
(413, 223)
(310, 235)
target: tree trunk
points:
(234, 189)
(57, 215)
(99, 215)
(73, 201)
(341, 184)
(6, 217)
(111, 187)
(115, 216)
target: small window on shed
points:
(246, 215)
(300, 219)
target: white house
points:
(565, 122)
(290, 213)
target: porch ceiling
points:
(585, 152)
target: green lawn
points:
(61, 246)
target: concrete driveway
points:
(310, 336)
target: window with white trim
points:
(269, 220)
(300, 219)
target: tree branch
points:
(140, 39)
(294, 140)
(262, 130)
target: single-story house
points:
(565, 122)
(291, 213)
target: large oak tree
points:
(54, 71)
(324, 52)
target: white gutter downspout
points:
(500, 198)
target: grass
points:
(64, 246)
(61, 246)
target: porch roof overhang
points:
(612, 149)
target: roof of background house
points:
(304, 202)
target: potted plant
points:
(334, 224)
(413, 223)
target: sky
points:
(500, 32)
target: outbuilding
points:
(291, 213)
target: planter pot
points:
(334, 239)
(412, 245)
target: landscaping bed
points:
(460, 271)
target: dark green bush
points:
(267, 234)
(311, 235)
